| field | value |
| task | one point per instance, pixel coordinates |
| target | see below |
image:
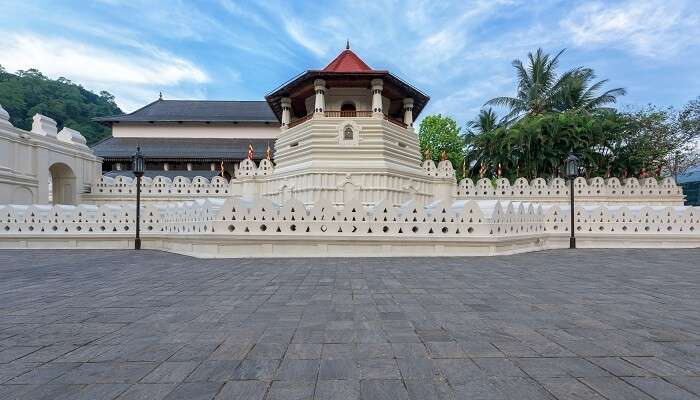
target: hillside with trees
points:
(26, 93)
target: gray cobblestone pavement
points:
(583, 324)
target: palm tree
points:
(486, 121)
(541, 90)
(578, 93)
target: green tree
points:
(29, 92)
(486, 121)
(437, 133)
(541, 89)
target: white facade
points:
(195, 130)
(44, 165)
(348, 181)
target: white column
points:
(408, 111)
(377, 87)
(286, 112)
(320, 89)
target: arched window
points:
(348, 134)
(348, 107)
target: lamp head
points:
(571, 166)
(138, 163)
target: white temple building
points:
(347, 180)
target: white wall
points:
(187, 130)
(26, 157)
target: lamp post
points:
(572, 173)
(138, 164)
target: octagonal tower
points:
(347, 133)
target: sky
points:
(459, 53)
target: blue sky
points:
(458, 52)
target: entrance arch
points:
(63, 184)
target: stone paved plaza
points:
(598, 324)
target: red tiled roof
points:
(347, 61)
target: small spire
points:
(160, 96)
(347, 44)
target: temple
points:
(188, 137)
(347, 132)
(346, 178)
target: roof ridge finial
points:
(160, 96)
(347, 44)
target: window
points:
(348, 107)
(348, 133)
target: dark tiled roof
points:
(198, 111)
(121, 148)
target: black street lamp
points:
(138, 165)
(572, 173)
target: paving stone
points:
(383, 389)
(658, 366)
(339, 369)
(298, 370)
(337, 390)
(569, 389)
(13, 353)
(615, 388)
(421, 389)
(51, 392)
(101, 391)
(230, 350)
(147, 391)
(290, 390)
(409, 350)
(243, 390)
(268, 351)
(378, 368)
(373, 350)
(194, 352)
(194, 391)
(444, 328)
(480, 349)
(171, 372)
(660, 389)
(260, 369)
(43, 374)
(480, 388)
(498, 367)
(304, 351)
(416, 368)
(521, 388)
(109, 372)
(458, 371)
(14, 369)
(619, 366)
(445, 350)
(689, 383)
(337, 350)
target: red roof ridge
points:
(347, 61)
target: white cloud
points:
(133, 71)
(652, 28)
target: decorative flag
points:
(250, 151)
(222, 168)
(268, 153)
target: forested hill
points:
(26, 93)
